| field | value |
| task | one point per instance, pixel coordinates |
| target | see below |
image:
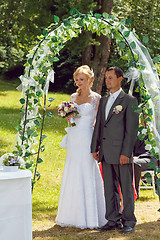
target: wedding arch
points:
(39, 71)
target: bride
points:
(81, 202)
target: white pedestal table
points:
(15, 205)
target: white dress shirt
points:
(111, 100)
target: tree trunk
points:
(96, 56)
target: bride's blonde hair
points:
(85, 69)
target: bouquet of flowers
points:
(67, 108)
(10, 159)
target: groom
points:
(112, 143)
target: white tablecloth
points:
(15, 205)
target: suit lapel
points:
(104, 105)
(117, 102)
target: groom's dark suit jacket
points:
(115, 135)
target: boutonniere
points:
(117, 109)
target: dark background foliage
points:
(22, 21)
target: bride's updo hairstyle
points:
(84, 69)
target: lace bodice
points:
(95, 97)
(87, 111)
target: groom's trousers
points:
(115, 174)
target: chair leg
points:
(153, 184)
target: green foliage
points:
(145, 128)
(21, 22)
(53, 39)
(46, 193)
(143, 16)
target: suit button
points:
(104, 138)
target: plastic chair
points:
(144, 185)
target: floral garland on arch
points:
(39, 72)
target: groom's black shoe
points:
(119, 226)
(107, 227)
(127, 230)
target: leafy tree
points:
(143, 16)
(96, 55)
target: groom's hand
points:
(96, 155)
(124, 160)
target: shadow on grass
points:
(144, 199)
(55, 123)
(6, 111)
(142, 231)
(3, 144)
(41, 208)
(9, 86)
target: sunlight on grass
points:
(46, 191)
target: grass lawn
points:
(46, 190)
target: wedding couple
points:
(85, 200)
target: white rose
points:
(62, 114)
(144, 131)
(148, 147)
(156, 150)
(66, 109)
(119, 108)
(60, 106)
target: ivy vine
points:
(39, 72)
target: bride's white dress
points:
(81, 202)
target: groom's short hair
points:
(118, 71)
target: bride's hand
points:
(69, 118)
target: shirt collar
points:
(115, 94)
